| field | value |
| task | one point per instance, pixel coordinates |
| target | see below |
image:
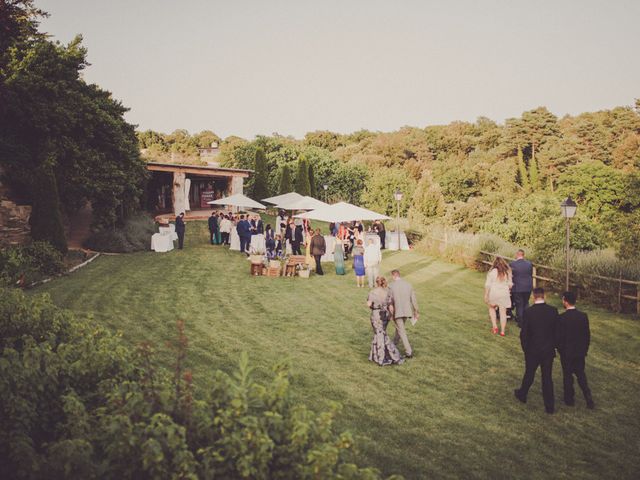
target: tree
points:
(285, 181)
(45, 219)
(302, 178)
(313, 189)
(378, 194)
(260, 190)
(522, 172)
(55, 119)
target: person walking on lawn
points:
(538, 339)
(318, 248)
(574, 337)
(405, 307)
(522, 277)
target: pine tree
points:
(46, 219)
(260, 189)
(302, 178)
(285, 181)
(313, 189)
(522, 170)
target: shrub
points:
(76, 402)
(22, 265)
(134, 236)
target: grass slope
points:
(448, 413)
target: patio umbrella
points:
(305, 203)
(237, 200)
(284, 198)
(342, 212)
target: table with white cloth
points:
(391, 241)
(258, 244)
(330, 242)
(161, 242)
(169, 229)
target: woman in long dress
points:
(383, 350)
(497, 293)
(358, 263)
(338, 258)
(234, 237)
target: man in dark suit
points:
(573, 344)
(538, 340)
(244, 232)
(213, 226)
(180, 228)
(318, 248)
(522, 272)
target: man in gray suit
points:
(405, 307)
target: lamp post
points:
(398, 196)
(568, 208)
(325, 186)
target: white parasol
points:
(342, 212)
(237, 200)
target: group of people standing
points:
(543, 331)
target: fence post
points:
(535, 280)
(620, 292)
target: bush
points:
(22, 265)
(76, 402)
(134, 236)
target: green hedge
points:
(77, 402)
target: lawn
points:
(447, 413)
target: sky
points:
(257, 67)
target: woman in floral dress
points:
(383, 350)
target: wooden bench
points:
(292, 263)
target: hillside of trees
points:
(507, 179)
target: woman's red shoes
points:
(494, 330)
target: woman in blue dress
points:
(358, 263)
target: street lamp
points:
(398, 196)
(568, 208)
(325, 186)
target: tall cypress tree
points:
(46, 219)
(313, 189)
(302, 178)
(522, 171)
(285, 181)
(260, 189)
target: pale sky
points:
(247, 67)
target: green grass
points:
(448, 413)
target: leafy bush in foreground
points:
(77, 403)
(24, 264)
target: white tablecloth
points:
(161, 243)
(391, 241)
(168, 230)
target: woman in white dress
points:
(234, 237)
(497, 293)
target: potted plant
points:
(303, 271)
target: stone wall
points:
(14, 218)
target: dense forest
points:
(507, 179)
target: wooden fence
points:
(622, 288)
